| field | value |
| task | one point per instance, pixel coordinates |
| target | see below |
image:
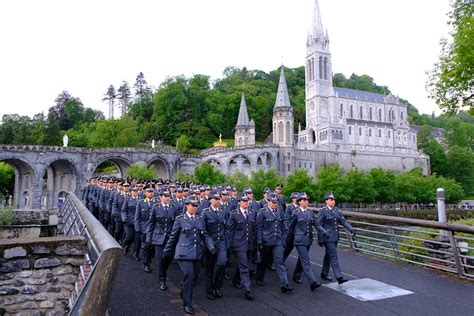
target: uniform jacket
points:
(270, 229)
(179, 205)
(142, 214)
(327, 224)
(129, 208)
(214, 223)
(241, 231)
(117, 203)
(288, 213)
(301, 227)
(160, 223)
(104, 199)
(189, 238)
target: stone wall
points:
(37, 276)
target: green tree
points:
(331, 179)
(206, 173)
(301, 181)
(7, 179)
(115, 133)
(238, 179)
(460, 166)
(384, 185)
(360, 187)
(458, 133)
(185, 177)
(141, 171)
(451, 81)
(264, 179)
(437, 157)
(183, 144)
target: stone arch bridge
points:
(44, 173)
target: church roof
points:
(243, 119)
(282, 99)
(359, 95)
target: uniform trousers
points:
(303, 259)
(244, 262)
(129, 235)
(190, 270)
(215, 267)
(276, 253)
(330, 260)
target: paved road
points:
(136, 293)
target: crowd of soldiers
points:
(200, 225)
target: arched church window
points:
(370, 114)
(352, 111)
(361, 113)
(350, 130)
(370, 132)
(325, 68)
(380, 115)
(388, 134)
(320, 60)
(280, 132)
(288, 133)
(341, 110)
(380, 133)
(360, 131)
(401, 115)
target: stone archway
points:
(121, 164)
(60, 176)
(24, 183)
(216, 164)
(160, 166)
(240, 163)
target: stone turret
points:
(283, 121)
(244, 129)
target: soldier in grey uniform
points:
(328, 235)
(129, 208)
(159, 227)
(142, 215)
(289, 242)
(189, 238)
(241, 239)
(214, 218)
(270, 240)
(301, 227)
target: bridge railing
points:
(446, 247)
(94, 283)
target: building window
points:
(380, 115)
(325, 68)
(361, 114)
(352, 111)
(370, 132)
(350, 130)
(341, 110)
(370, 114)
(401, 115)
(380, 133)
(388, 134)
(360, 131)
(320, 61)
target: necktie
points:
(245, 214)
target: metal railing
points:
(94, 282)
(441, 246)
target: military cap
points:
(224, 192)
(266, 190)
(126, 184)
(179, 189)
(149, 189)
(273, 197)
(248, 190)
(228, 187)
(329, 195)
(279, 186)
(233, 189)
(214, 195)
(185, 189)
(294, 195)
(111, 180)
(165, 193)
(242, 197)
(134, 188)
(201, 188)
(302, 196)
(191, 200)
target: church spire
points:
(282, 99)
(317, 29)
(243, 119)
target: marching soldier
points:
(270, 240)
(301, 227)
(179, 200)
(159, 227)
(189, 238)
(117, 203)
(104, 209)
(142, 215)
(289, 242)
(281, 197)
(214, 218)
(240, 239)
(129, 208)
(328, 235)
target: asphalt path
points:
(434, 293)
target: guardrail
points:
(446, 247)
(94, 283)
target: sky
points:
(84, 46)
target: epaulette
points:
(180, 216)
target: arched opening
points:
(288, 133)
(370, 114)
(112, 167)
(280, 132)
(325, 68)
(352, 111)
(59, 176)
(246, 167)
(233, 167)
(380, 115)
(264, 161)
(17, 183)
(216, 164)
(320, 60)
(160, 167)
(341, 110)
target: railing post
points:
(441, 211)
(393, 242)
(349, 240)
(457, 258)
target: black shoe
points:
(238, 285)
(252, 273)
(341, 280)
(210, 296)
(249, 296)
(286, 289)
(326, 277)
(125, 250)
(259, 282)
(188, 310)
(315, 285)
(147, 269)
(271, 268)
(136, 258)
(297, 279)
(218, 293)
(227, 277)
(163, 286)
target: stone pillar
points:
(36, 190)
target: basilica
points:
(352, 128)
